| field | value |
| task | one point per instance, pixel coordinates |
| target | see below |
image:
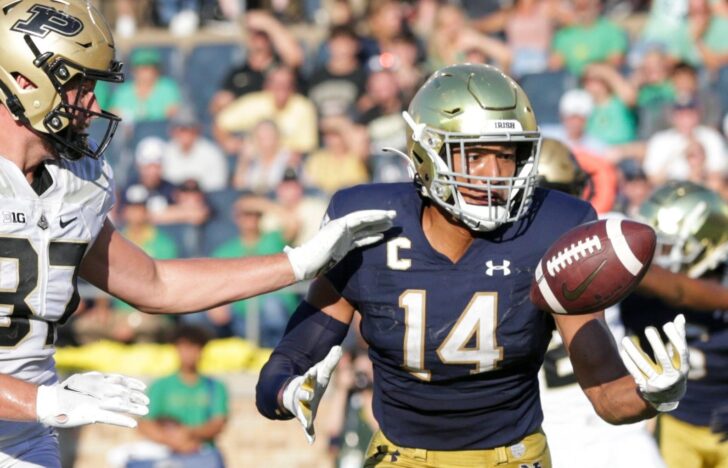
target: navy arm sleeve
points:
(309, 336)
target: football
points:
(593, 266)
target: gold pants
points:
(683, 445)
(530, 452)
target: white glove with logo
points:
(335, 239)
(663, 383)
(89, 398)
(302, 394)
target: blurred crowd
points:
(231, 147)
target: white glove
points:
(335, 239)
(302, 394)
(90, 398)
(663, 383)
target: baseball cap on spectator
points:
(136, 194)
(576, 102)
(150, 150)
(185, 118)
(142, 57)
(290, 174)
(632, 170)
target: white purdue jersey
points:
(577, 436)
(42, 241)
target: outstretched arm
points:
(679, 290)
(121, 268)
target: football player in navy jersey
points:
(692, 230)
(455, 342)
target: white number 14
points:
(479, 320)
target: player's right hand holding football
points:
(302, 394)
(662, 384)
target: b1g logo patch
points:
(45, 19)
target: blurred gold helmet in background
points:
(691, 222)
(559, 170)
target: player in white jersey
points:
(577, 436)
(55, 194)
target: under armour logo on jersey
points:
(46, 19)
(504, 268)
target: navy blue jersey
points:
(456, 347)
(707, 336)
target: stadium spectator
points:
(408, 65)
(344, 149)
(453, 37)
(575, 108)
(654, 92)
(268, 45)
(272, 310)
(611, 120)
(529, 28)
(381, 114)
(293, 113)
(667, 156)
(591, 38)
(712, 41)
(189, 155)
(634, 188)
(189, 198)
(667, 27)
(335, 86)
(161, 202)
(187, 411)
(149, 95)
(687, 86)
(303, 210)
(385, 21)
(263, 160)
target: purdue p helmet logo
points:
(45, 19)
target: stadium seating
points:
(205, 68)
(544, 90)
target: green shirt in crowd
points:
(612, 122)
(164, 95)
(268, 244)
(655, 94)
(580, 45)
(190, 405)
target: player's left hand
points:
(92, 397)
(663, 383)
(336, 239)
(302, 394)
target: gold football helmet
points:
(58, 46)
(559, 170)
(466, 104)
(692, 227)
